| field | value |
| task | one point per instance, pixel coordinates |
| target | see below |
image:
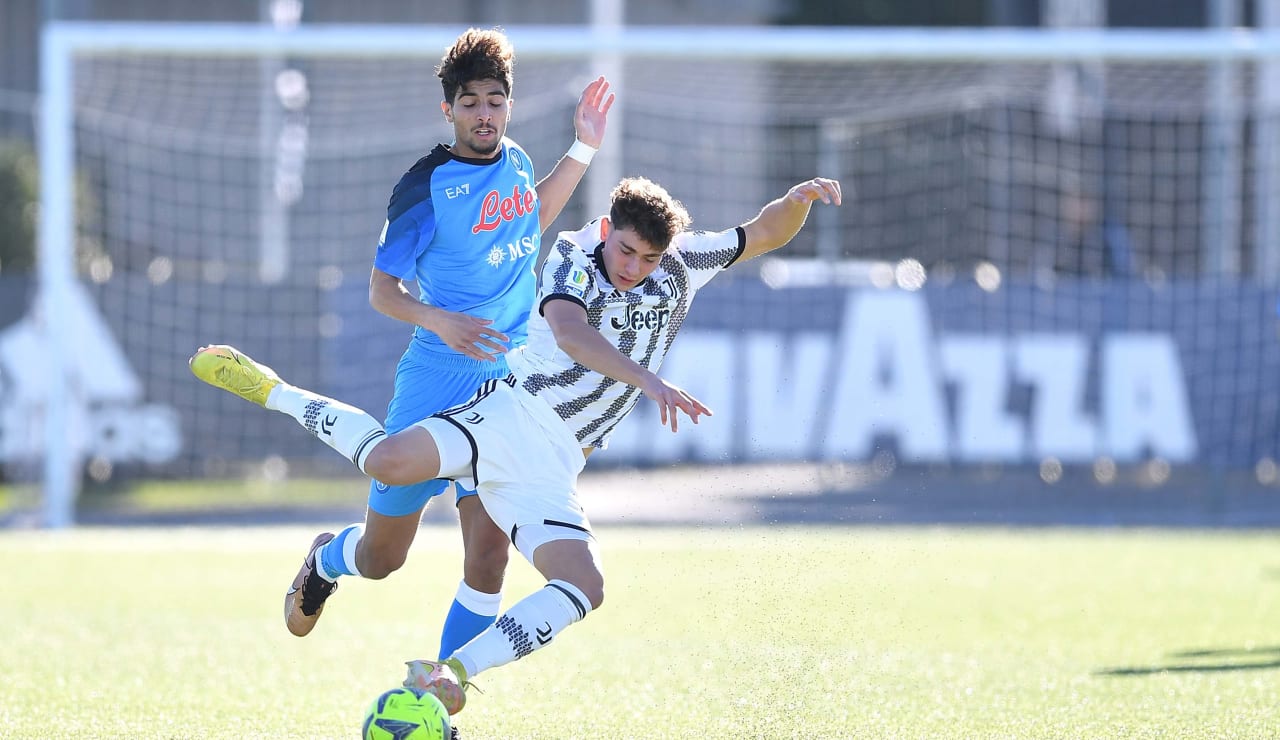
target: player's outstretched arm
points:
(780, 220)
(464, 334)
(590, 119)
(589, 348)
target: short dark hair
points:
(641, 204)
(478, 54)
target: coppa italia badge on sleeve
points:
(577, 283)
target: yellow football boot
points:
(225, 367)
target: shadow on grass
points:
(1220, 660)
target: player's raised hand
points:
(592, 113)
(468, 335)
(819, 188)
(671, 399)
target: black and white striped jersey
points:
(641, 322)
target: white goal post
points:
(64, 42)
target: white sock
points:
(478, 602)
(347, 429)
(527, 626)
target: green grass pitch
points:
(748, 632)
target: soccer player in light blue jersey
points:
(465, 222)
(612, 298)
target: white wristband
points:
(581, 152)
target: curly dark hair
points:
(644, 205)
(478, 54)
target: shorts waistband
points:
(444, 357)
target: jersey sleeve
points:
(566, 275)
(706, 253)
(408, 229)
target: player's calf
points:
(349, 430)
(571, 561)
(380, 559)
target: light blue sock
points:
(338, 556)
(472, 612)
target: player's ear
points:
(605, 227)
(447, 110)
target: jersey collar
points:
(473, 160)
(598, 256)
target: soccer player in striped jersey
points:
(611, 299)
(615, 295)
(465, 222)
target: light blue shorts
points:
(426, 384)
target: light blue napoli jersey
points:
(467, 231)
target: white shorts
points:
(520, 457)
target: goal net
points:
(1053, 247)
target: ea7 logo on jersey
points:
(642, 318)
(463, 189)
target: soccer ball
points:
(406, 714)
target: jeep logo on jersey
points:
(496, 209)
(642, 318)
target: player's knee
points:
(380, 465)
(593, 588)
(392, 463)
